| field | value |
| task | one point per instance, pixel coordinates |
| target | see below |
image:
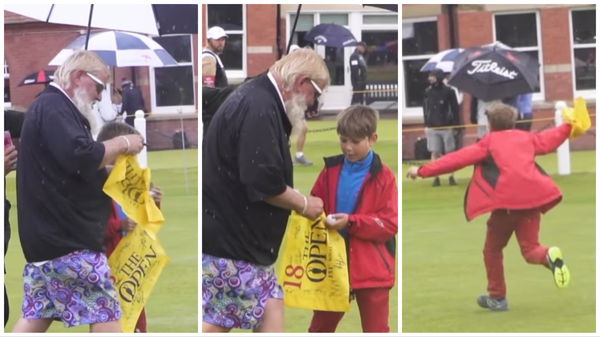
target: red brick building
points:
(30, 44)
(561, 37)
(259, 34)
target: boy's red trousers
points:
(374, 307)
(500, 226)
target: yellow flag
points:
(138, 260)
(129, 185)
(136, 264)
(578, 117)
(313, 268)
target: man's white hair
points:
(302, 62)
(81, 60)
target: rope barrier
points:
(464, 126)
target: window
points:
(520, 32)
(419, 43)
(174, 85)
(583, 26)
(304, 24)
(231, 19)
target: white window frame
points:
(412, 114)
(589, 93)
(174, 109)
(542, 94)
(237, 75)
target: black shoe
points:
(436, 182)
(452, 181)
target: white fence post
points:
(562, 152)
(140, 124)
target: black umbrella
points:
(176, 19)
(331, 35)
(494, 71)
(39, 77)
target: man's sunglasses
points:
(99, 85)
(318, 90)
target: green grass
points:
(324, 144)
(173, 305)
(442, 261)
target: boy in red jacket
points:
(360, 193)
(508, 183)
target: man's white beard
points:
(295, 109)
(84, 105)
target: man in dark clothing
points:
(133, 100)
(63, 211)
(13, 122)
(358, 73)
(247, 193)
(213, 71)
(440, 109)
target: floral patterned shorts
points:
(235, 293)
(75, 288)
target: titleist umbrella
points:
(494, 71)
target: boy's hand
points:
(127, 225)
(337, 221)
(156, 194)
(413, 172)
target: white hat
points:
(215, 33)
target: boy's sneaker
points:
(559, 269)
(451, 181)
(494, 304)
(302, 161)
(436, 182)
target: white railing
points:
(562, 152)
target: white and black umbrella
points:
(443, 61)
(119, 49)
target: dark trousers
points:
(358, 97)
(374, 307)
(500, 226)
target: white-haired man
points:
(213, 71)
(247, 193)
(62, 211)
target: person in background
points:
(358, 73)
(525, 108)
(440, 113)
(213, 71)
(132, 100)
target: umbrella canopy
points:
(109, 16)
(494, 71)
(331, 35)
(39, 77)
(120, 49)
(443, 61)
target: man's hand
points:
(413, 172)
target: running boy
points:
(360, 192)
(508, 183)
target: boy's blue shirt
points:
(351, 178)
